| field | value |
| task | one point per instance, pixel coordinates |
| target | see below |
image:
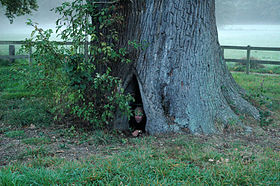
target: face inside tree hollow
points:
(138, 114)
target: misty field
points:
(253, 35)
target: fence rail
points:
(248, 61)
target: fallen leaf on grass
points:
(60, 151)
(32, 126)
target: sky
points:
(43, 16)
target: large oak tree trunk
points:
(183, 80)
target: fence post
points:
(12, 52)
(248, 59)
(30, 56)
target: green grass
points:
(264, 92)
(167, 160)
(18, 134)
(18, 104)
(179, 161)
(266, 69)
(170, 160)
(268, 85)
(33, 153)
(12, 84)
(24, 112)
(4, 129)
(36, 141)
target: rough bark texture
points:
(183, 80)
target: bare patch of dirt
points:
(57, 144)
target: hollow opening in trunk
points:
(138, 120)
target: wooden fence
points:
(12, 55)
(248, 61)
(12, 50)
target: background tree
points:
(18, 7)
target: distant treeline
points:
(248, 11)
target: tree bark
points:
(183, 80)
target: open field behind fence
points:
(254, 35)
(247, 55)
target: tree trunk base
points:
(183, 80)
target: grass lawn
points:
(165, 160)
(35, 152)
(268, 85)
